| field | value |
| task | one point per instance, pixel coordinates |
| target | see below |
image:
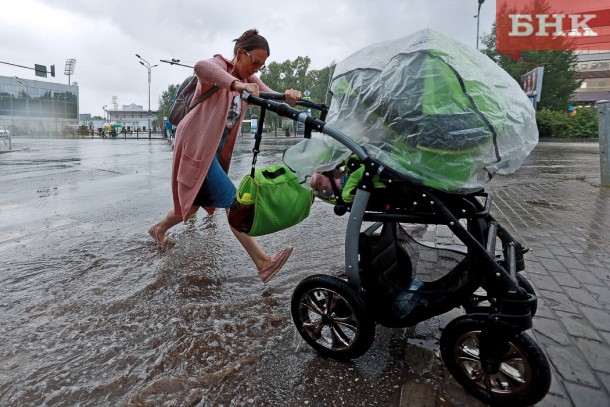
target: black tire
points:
(524, 377)
(332, 317)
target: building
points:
(594, 70)
(37, 108)
(133, 117)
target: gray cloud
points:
(104, 36)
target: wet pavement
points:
(93, 314)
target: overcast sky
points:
(104, 36)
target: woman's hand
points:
(292, 96)
(251, 88)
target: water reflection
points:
(93, 314)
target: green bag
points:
(279, 200)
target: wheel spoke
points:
(511, 373)
(339, 337)
(314, 328)
(312, 305)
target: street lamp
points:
(149, 67)
(478, 17)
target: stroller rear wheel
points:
(522, 376)
(332, 317)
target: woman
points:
(205, 139)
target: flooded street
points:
(93, 314)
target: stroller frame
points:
(486, 349)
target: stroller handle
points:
(282, 109)
(301, 102)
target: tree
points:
(296, 75)
(164, 101)
(279, 76)
(560, 79)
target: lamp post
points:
(149, 67)
(478, 18)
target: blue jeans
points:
(217, 190)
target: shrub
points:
(560, 124)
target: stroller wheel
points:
(521, 377)
(332, 317)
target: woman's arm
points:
(209, 71)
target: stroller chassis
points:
(486, 350)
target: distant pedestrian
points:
(204, 144)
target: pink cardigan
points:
(198, 134)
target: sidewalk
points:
(563, 215)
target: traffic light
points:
(53, 70)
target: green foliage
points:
(83, 130)
(296, 75)
(559, 124)
(279, 76)
(560, 79)
(164, 100)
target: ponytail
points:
(250, 40)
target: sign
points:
(41, 70)
(531, 83)
(524, 25)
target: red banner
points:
(529, 25)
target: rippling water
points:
(93, 314)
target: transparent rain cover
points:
(433, 109)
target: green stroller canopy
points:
(431, 108)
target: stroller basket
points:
(400, 273)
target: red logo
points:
(528, 25)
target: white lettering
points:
(544, 24)
(578, 25)
(516, 25)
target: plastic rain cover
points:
(431, 108)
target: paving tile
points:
(582, 296)
(551, 330)
(558, 250)
(543, 309)
(566, 280)
(570, 262)
(577, 326)
(554, 265)
(601, 294)
(542, 252)
(571, 365)
(586, 396)
(552, 400)
(602, 273)
(558, 301)
(599, 318)
(586, 277)
(536, 266)
(606, 336)
(596, 353)
(544, 283)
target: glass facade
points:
(31, 107)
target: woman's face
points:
(249, 62)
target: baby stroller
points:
(393, 277)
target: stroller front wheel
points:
(332, 317)
(522, 376)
